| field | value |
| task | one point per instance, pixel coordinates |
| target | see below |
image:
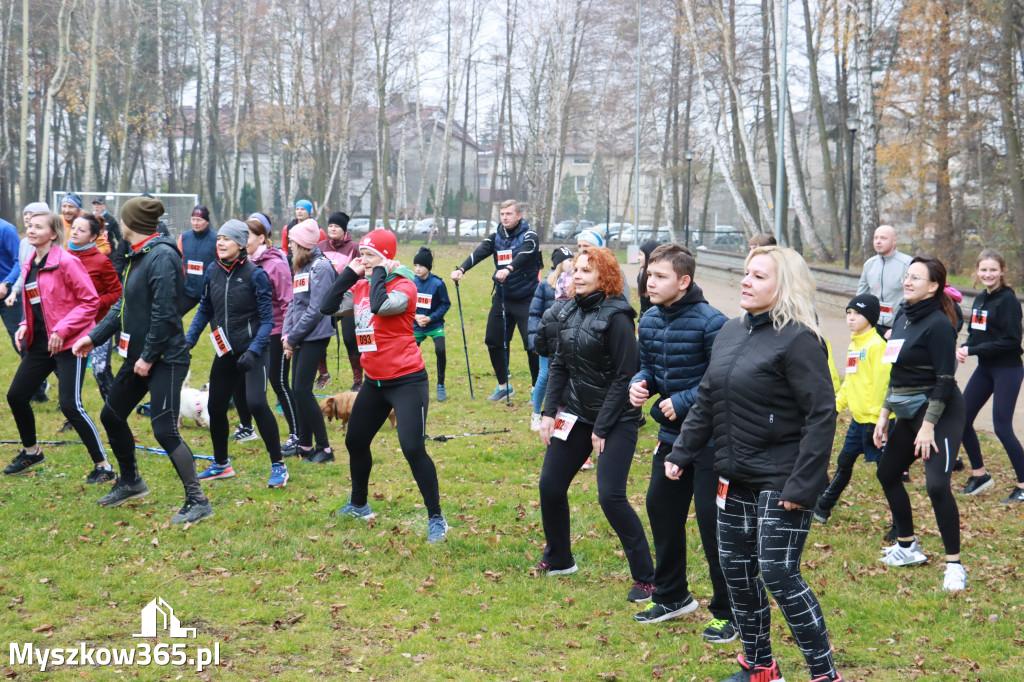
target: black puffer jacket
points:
(593, 362)
(767, 400)
(154, 280)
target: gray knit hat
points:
(236, 231)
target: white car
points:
(477, 228)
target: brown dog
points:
(339, 406)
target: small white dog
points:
(194, 405)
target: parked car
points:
(359, 225)
(567, 227)
(610, 231)
(426, 226)
(477, 228)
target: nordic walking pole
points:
(462, 321)
(504, 337)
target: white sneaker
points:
(904, 556)
(955, 579)
(535, 421)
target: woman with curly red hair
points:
(586, 410)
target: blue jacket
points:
(10, 268)
(197, 249)
(439, 302)
(543, 298)
(675, 349)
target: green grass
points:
(292, 592)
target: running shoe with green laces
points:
(656, 613)
(720, 631)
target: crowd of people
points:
(746, 408)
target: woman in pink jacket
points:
(59, 304)
(264, 254)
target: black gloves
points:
(247, 361)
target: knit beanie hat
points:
(306, 234)
(381, 242)
(142, 214)
(236, 231)
(559, 255)
(424, 257)
(36, 207)
(590, 236)
(867, 305)
(73, 199)
(340, 219)
(306, 204)
(201, 211)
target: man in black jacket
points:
(515, 249)
(152, 342)
(112, 231)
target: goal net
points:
(177, 207)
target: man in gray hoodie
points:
(883, 274)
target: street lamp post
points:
(851, 125)
(688, 154)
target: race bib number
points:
(32, 291)
(423, 301)
(194, 267)
(723, 491)
(892, 351)
(300, 283)
(220, 342)
(979, 319)
(885, 308)
(563, 425)
(122, 344)
(504, 258)
(852, 360)
(366, 341)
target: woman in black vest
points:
(588, 374)
(237, 302)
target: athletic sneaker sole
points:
(689, 607)
(218, 476)
(118, 503)
(715, 639)
(564, 571)
(984, 486)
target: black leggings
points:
(408, 396)
(761, 545)
(36, 364)
(668, 505)
(562, 461)
(226, 379)
(899, 455)
(517, 314)
(164, 387)
(348, 335)
(1002, 384)
(277, 371)
(442, 356)
(309, 420)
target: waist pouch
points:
(906, 406)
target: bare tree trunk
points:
(90, 116)
(23, 188)
(868, 137)
(1009, 107)
(60, 74)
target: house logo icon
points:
(158, 611)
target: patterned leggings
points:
(760, 545)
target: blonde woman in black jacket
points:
(767, 401)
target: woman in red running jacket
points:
(380, 292)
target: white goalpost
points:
(177, 207)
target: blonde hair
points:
(793, 300)
(557, 270)
(511, 203)
(54, 222)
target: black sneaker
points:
(640, 592)
(958, 465)
(890, 537)
(656, 613)
(122, 492)
(1016, 495)
(720, 631)
(23, 462)
(100, 475)
(40, 395)
(906, 477)
(821, 515)
(67, 427)
(243, 433)
(320, 456)
(976, 484)
(290, 447)
(194, 511)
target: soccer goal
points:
(177, 207)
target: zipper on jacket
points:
(227, 285)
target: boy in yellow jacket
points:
(863, 391)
